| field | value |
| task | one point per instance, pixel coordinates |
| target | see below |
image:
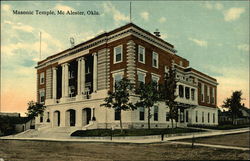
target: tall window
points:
(167, 116)
(196, 116)
(202, 116)
(155, 79)
(141, 77)
(208, 117)
(142, 113)
(141, 54)
(118, 54)
(192, 94)
(186, 116)
(155, 60)
(212, 97)
(208, 95)
(187, 92)
(202, 92)
(181, 90)
(42, 80)
(117, 77)
(117, 114)
(155, 113)
(213, 117)
(42, 95)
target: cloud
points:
(144, 15)
(199, 42)
(5, 7)
(63, 8)
(210, 6)
(19, 26)
(243, 47)
(117, 15)
(233, 13)
(219, 6)
(162, 19)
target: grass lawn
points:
(239, 140)
(59, 151)
(132, 132)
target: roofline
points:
(103, 35)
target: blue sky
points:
(212, 35)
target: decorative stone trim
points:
(131, 61)
(48, 90)
(103, 66)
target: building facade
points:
(73, 83)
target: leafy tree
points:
(148, 95)
(168, 93)
(119, 98)
(34, 109)
(234, 104)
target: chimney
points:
(157, 33)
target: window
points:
(118, 54)
(42, 95)
(142, 113)
(186, 116)
(167, 116)
(208, 95)
(213, 117)
(48, 119)
(202, 116)
(202, 92)
(208, 117)
(41, 118)
(212, 97)
(181, 64)
(182, 116)
(155, 60)
(42, 78)
(196, 116)
(141, 54)
(155, 79)
(155, 113)
(116, 78)
(141, 77)
(192, 94)
(181, 91)
(117, 114)
(187, 92)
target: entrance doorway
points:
(71, 117)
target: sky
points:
(212, 35)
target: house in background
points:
(73, 83)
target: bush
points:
(131, 132)
(220, 127)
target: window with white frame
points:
(155, 60)
(142, 113)
(141, 54)
(155, 79)
(118, 54)
(116, 78)
(42, 95)
(208, 94)
(212, 97)
(202, 92)
(42, 79)
(192, 94)
(141, 77)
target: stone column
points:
(79, 77)
(131, 67)
(95, 73)
(54, 83)
(79, 118)
(63, 80)
(184, 92)
(82, 84)
(66, 85)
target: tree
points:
(34, 109)
(119, 98)
(168, 93)
(148, 95)
(234, 104)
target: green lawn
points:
(131, 132)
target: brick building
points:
(73, 83)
